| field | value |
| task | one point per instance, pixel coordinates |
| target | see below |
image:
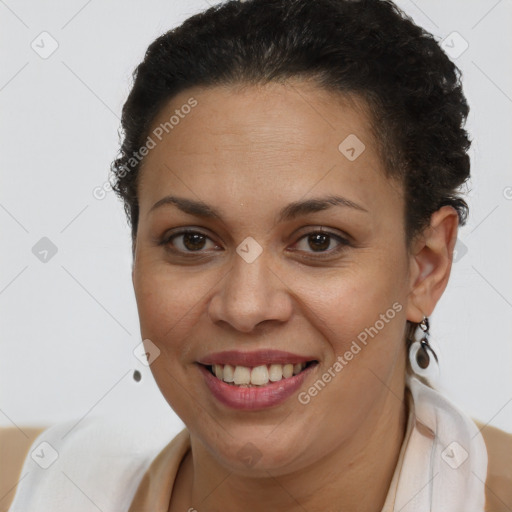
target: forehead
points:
(244, 140)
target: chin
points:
(256, 451)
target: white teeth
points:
(258, 375)
(287, 370)
(219, 371)
(275, 372)
(242, 375)
(229, 373)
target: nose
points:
(251, 294)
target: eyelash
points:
(166, 241)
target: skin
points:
(248, 152)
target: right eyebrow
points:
(192, 207)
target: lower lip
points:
(256, 397)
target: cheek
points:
(362, 318)
(361, 315)
(350, 299)
(168, 305)
(168, 302)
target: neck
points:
(355, 477)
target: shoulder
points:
(499, 468)
(14, 447)
(83, 465)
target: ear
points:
(431, 262)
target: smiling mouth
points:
(256, 376)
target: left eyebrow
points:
(298, 208)
(289, 212)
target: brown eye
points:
(188, 241)
(321, 242)
(193, 241)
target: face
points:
(283, 244)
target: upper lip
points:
(255, 358)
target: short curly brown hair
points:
(368, 48)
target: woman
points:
(290, 170)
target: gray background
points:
(69, 324)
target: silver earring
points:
(419, 351)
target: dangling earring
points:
(419, 351)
